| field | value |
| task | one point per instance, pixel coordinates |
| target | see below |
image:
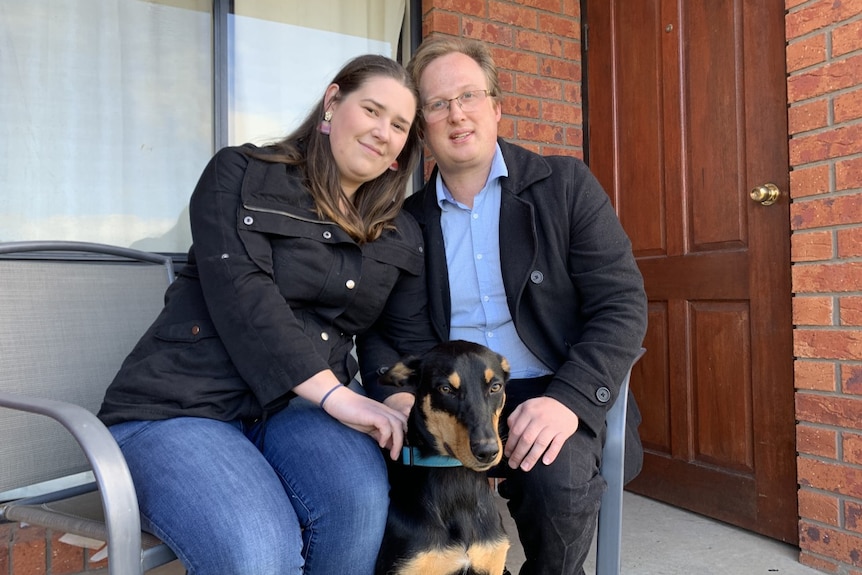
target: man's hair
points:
(439, 46)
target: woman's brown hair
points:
(376, 202)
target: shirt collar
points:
(498, 170)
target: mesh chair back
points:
(60, 338)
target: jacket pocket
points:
(186, 332)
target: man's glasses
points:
(469, 101)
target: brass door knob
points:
(766, 194)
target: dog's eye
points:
(445, 389)
(496, 386)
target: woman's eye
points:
(399, 127)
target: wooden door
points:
(686, 103)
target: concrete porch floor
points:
(662, 540)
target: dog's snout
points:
(485, 451)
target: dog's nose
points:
(484, 451)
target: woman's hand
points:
(384, 424)
(401, 402)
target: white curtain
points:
(106, 114)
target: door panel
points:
(687, 113)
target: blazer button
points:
(537, 277)
(324, 336)
(196, 329)
(603, 394)
(248, 220)
(350, 284)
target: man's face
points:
(459, 141)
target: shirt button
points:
(327, 235)
(478, 256)
(324, 336)
(196, 329)
(350, 284)
(603, 394)
(248, 220)
(537, 277)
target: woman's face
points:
(369, 128)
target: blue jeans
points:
(313, 500)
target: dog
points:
(443, 519)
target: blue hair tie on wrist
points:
(328, 393)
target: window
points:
(106, 107)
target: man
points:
(525, 255)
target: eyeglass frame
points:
(485, 93)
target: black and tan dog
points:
(442, 515)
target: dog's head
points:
(460, 390)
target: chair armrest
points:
(120, 503)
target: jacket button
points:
(327, 235)
(603, 394)
(196, 329)
(537, 277)
(248, 220)
(324, 336)
(350, 284)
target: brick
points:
(5, 540)
(817, 441)
(819, 146)
(572, 93)
(29, 556)
(811, 246)
(540, 132)
(806, 117)
(812, 310)
(441, 22)
(540, 87)
(848, 106)
(465, 7)
(65, 559)
(847, 38)
(562, 69)
(851, 379)
(506, 128)
(537, 42)
(559, 26)
(562, 113)
(513, 15)
(818, 506)
(575, 137)
(486, 32)
(547, 5)
(515, 60)
(828, 344)
(851, 447)
(848, 174)
(828, 211)
(819, 14)
(831, 410)
(814, 375)
(572, 152)
(818, 563)
(809, 181)
(815, 278)
(850, 309)
(852, 516)
(523, 107)
(842, 547)
(849, 242)
(806, 52)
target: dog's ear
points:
(401, 373)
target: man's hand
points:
(538, 428)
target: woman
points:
(249, 451)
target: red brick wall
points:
(824, 63)
(37, 551)
(536, 45)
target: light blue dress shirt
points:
(472, 238)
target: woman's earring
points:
(325, 126)
(394, 166)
